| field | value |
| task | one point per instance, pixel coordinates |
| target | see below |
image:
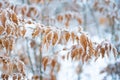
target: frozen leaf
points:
(83, 41)
(52, 77)
(47, 30)
(79, 20)
(6, 44)
(20, 66)
(67, 24)
(73, 36)
(115, 52)
(8, 30)
(102, 52)
(53, 63)
(83, 57)
(49, 37)
(36, 32)
(3, 18)
(60, 18)
(55, 38)
(35, 77)
(67, 36)
(23, 31)
(4, 76)
(44, 62)
(1, 30)
(74, 53)
(14, 18)
(68, 16)
(32, 44)
(102, 20)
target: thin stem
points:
(85, 17)
(40, 56)
(35, 56)
(29, 56)
(40, 64)
(78, 76)
(28, 2)
(113, 32)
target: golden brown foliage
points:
(13, 27)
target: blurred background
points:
(100, 19)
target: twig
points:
(35, 56)
(85, 17)
(40, 58)
(29, 56)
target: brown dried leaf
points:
(60, 18)
(72, 36)
(5, 67)
(10, 67)
(53, 63)
(102, 20)
(77, 39)
(84, 41)
(79, 20)
(91, 49)
(3, 18)
(67, 36)
(19, 77)
(4, 76)
(102, 50)
(44, 40)
(61, 39)
(35, 77)
(21, 67)
(96, 50)
(52, 77)
(74, 53)
(6, 44)
(23, 32)
(49, 37)
(16, 32)
(10, 44)
(67, 24)
(80, 51)
(83, 57)
(32, 44)
(1, 29)
(1, 45)
(14, 18)
(14, 77)
(8, 30)
(65, 48)
(115, 52)
(36, 32)
(32, 10)
(68, 16)
(55, 38)
(63, 57)
(23, 10)
(44, 62)
(47, 31)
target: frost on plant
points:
(40, 39)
